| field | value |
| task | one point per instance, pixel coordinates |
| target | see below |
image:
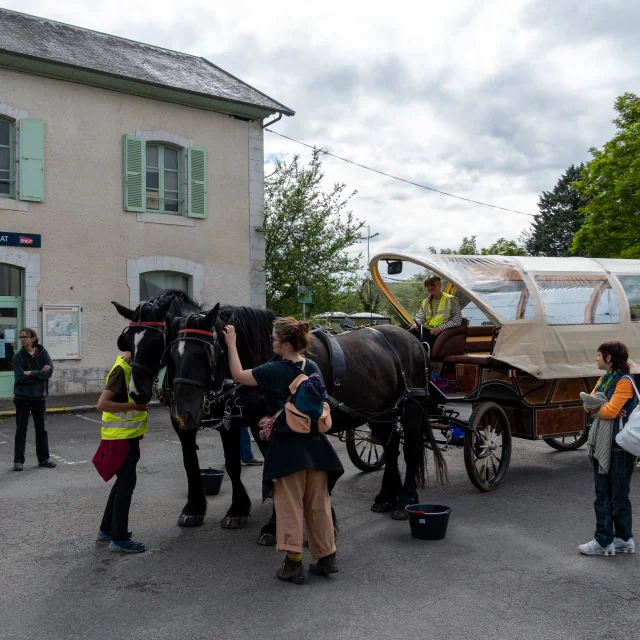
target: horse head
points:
(196, 362)
(146, 339)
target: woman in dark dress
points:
(300, 468)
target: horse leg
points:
(391, 483)
(267, 537)
(417, 432)
(237, 516)
(193, 512)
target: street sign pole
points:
(304, 311)
(305, 297)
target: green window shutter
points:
(31, 161)
(197, 166)
(134, 174)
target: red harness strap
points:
(204, 333)
(146, 324)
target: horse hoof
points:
(234, 522)
(398, 514)
(381, 507)
(190, 521)
(267, 540)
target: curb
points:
(84, 408)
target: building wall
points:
(88, 239)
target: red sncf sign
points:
(26, 240)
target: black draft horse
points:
(196, 365)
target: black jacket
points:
(36, 385)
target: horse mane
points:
(253, 327)
(155, 309)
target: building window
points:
(10, 281)
(631, 286)
(6, 159)
(153, 283)
(163, 179)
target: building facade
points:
(117, 180)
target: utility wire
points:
(415, 184)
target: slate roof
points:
(65, 44)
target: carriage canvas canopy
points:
(552, 313)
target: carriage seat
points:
(451, 342)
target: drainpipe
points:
(273, 121)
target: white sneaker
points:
(624, 547)
(592, 548)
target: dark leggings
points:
(38, 409)
(116, 515)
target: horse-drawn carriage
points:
(525, 350)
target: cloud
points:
(489, 101)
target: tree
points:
(611, 182)
(560, 218)
(503, 247)
(308, 233)
(467, 248)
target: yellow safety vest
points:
(441, 315)
(126, 424)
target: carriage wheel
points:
(364, 450)
(568, 443)
(487, 453)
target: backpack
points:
(306, 405)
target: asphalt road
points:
(508, 567)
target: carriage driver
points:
(438, 312)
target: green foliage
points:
(503, 247)
(611, 183)
(308, 233)
(560, 217)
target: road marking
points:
(59, 459)
(90, 419)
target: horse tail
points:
(430, 440)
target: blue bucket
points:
(428, 521)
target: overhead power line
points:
(415, 184)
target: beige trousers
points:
(304, 494)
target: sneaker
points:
(18, 466)
(106, 537)
(623, 546)
(48, 463)
(325, 566)
(127, 546)
(252, 462)
(291, 571)
(592, 548)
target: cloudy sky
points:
(488, 100)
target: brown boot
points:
(291, 571)
(325, 566)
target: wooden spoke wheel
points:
(568, 443)
(487, 453)
(365, 451)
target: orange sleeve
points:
(624, 391)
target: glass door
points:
(10, 325)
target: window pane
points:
(152, 200)
(10, 281)
(5, 133)
(5, 158)
(170, 201)
(631, 286)
(170, 159)
(171, 180)
(574, 300)
(152, 156)
(153, 180)
(153, 283)
(5, 188)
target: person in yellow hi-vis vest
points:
(123, 424)
(438, 312)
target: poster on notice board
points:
(61, 331)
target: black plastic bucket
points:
(428, 521)
(211, 481)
